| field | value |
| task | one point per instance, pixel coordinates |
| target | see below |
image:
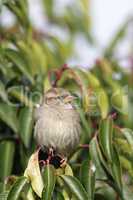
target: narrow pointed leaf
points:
(75, 187)
(8, 115)
(94, 154)
(26, 125)
(49, 179)
(17, 188)
(19, 94)
(3, 93)
(87, 177)
(15, 57)
(105, 137)
(7, 149)
(103, 102)
(68, 170)
(116, 170)
(93, 80)
(128, 133)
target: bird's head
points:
(58, 96)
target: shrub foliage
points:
(32, 61)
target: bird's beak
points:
(69, 99)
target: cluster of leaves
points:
(101, 167)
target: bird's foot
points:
(51, 152)
(63, 162)
(42, 162)
(50, 155)
(45, 156)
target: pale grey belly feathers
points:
(57, 128)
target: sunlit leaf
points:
(93, 80)
(18, 60)
(103, 103)
(18, 93)
(68, 170)
(128, 133)
(33, 173)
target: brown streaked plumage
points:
(57, 122)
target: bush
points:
(31, 62)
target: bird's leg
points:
(84, 146)
(42, 162)
(50, 154)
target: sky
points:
(107, 16)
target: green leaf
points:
(116, 170)
(103, 102)
(4, 195)
(26, 125)
(48, 4)
(19, 93)
(19, 9)
(7, 149)
(68, 170)
(93, 80)
(128, 134)
(84, 122)
(119, 98)
(17, 188)
(8, 115)
(128, 193)
(2, 187)
(49, 179)
(124, 147)
(30, 194)
(36, 59)
(19, 61)
(105, 192)
(94, 154)
(112, 165)
(87, 177)
(60, 196)
(75, 187)
(3, 93)
(105, 137)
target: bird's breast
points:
(59, 128)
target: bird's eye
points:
(59, 97)
(51, 100)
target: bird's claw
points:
(63, 162)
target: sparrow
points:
(57, 122)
